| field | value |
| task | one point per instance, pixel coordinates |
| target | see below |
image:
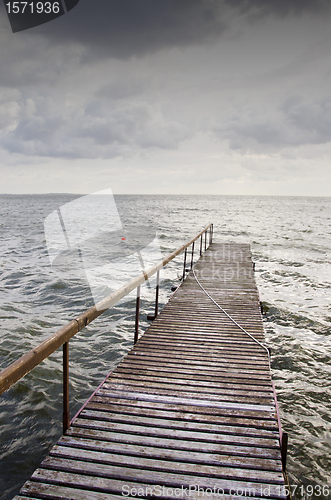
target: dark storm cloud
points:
(280, 7)
(126, 28)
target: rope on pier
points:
(228, 315)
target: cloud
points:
(9, 108)
(310, 119)
(101, 30)
(126, 28)
(99, 130)
(131, 28)
(160, 79)
(280, 8)
(136, 123)
(296, 121)
(122, 88)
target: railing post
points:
(184, 263)
(66, 415)
(192, 254)
(283, 447)
(201, 245)
(206, 239)
(157, 293)
(136, 329)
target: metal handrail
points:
(19, 368)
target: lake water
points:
(290, 241)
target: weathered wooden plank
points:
(213, 328)
(140, 375)
(233, 303)
(200, 399)
(233, 366)
(58, 492)
(226, 337)
(140, 490)
(177, 424)
(203, 350)
(217, 329)
(133, 371)
(203, 354)
(138, 408)
(216, 402)
(226, 349)
(222, 335)
(233, 361)
(254, 321)
(160, 342)
(105, 476)
(188, 392)
(247, 392)
(202, 457)
(205, 437)
(167, 466)
(20, 497)
(198, 368)
(212, 316)
(266, 419)
(257, 378)
(232, 449)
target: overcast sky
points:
(169, 96)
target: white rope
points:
(228, 315)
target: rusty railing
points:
(18, 369)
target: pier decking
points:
(190, 410)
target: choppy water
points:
(290, 240)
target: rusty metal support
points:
(66, 413)
(184, 269)
(283, 436)
(157, 293)
(151, 317)
(283, 449)
(192, 254)
(136, 326)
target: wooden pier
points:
(189, 412)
